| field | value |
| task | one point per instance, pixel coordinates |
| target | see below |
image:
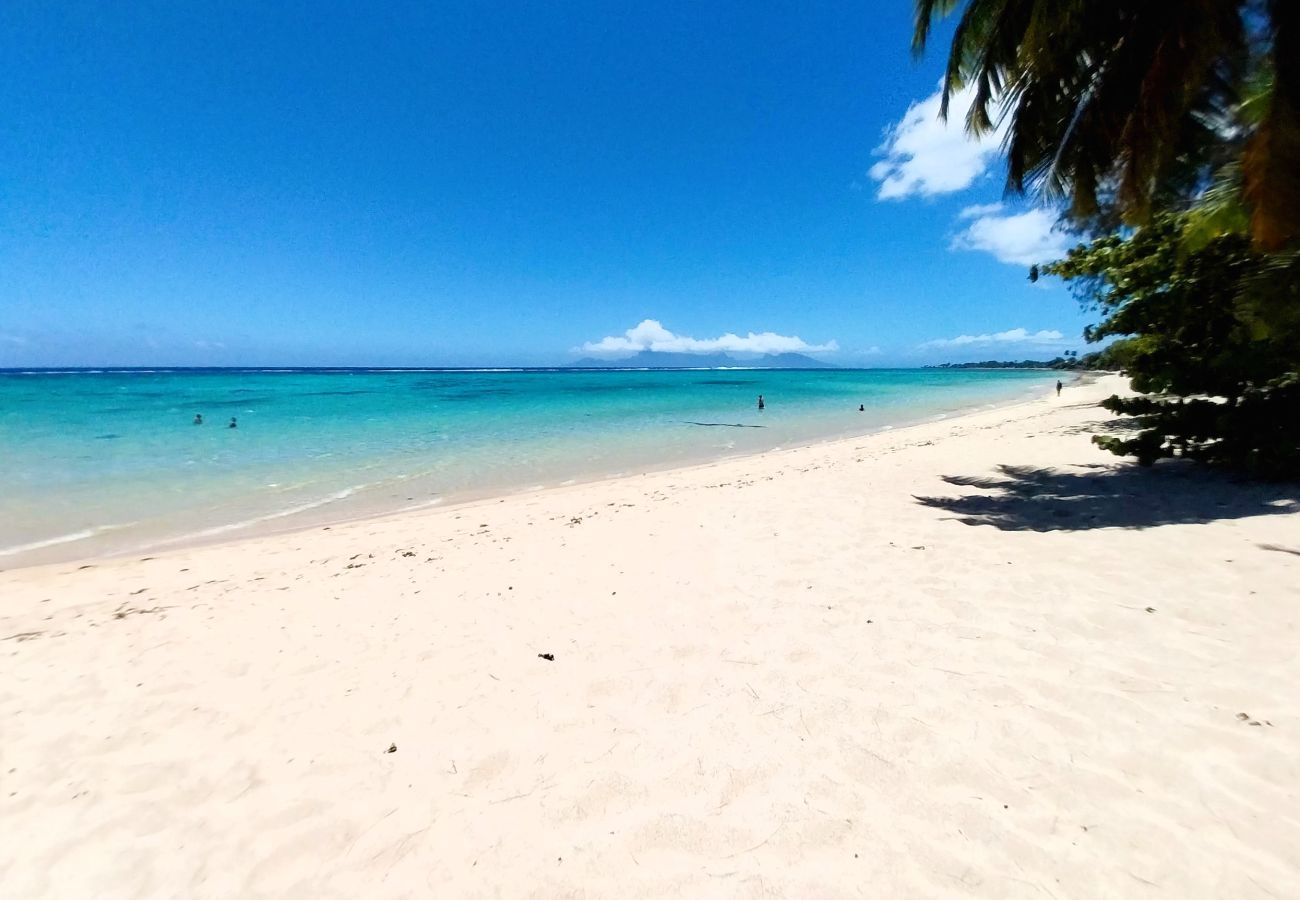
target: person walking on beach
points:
(761, 405)
(1058, 388)
(233, 423)
(198, 418)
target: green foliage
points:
(1212, 334)
(1128, 107)
(1118, 357)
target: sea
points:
(110, 462)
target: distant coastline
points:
(1028, 364)
(1115, 357)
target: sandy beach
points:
(978, 657)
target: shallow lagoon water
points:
(109, 462)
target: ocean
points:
(99, 462)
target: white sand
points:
(781, 676)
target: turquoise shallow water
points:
(106, 462)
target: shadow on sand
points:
(1021, 498)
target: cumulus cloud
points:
(651, 335)
(925, 156)
(1021, 239)
(1013, 336)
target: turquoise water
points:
(109, 462)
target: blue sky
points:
(490, 183)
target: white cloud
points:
(925, 155)
(1021, 239)
(1013, 336)
(979, 210)
(651, 335)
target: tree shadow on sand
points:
(1022, 498)
(1127, 427)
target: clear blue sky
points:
(492, 183)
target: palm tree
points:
(1127, 105)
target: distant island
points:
(655, 359)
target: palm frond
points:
(1111, 96)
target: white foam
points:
(69, 538)
(257, 520)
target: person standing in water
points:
(233, 423)
(761, 405)
(198, 418)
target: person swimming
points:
(198, 418)
(862, 407)
(233, 423)
(761, 404)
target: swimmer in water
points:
(862, 407)
(761, 405)
(198, 418)
(233, 423)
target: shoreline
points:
(266, 525)
(978, 655)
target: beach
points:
(973, 657)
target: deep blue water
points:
(100, 461)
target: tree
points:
(1173, 130)
(1213, 335)
(1126, 107)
